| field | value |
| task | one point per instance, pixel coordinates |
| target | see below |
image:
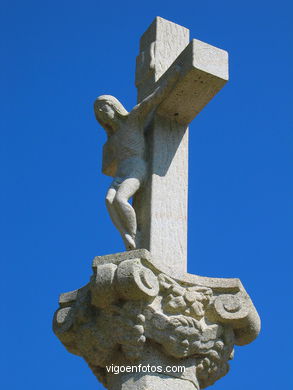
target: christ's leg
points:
(126, 212)
(115, 217)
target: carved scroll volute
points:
(130, 280)
(238, 311)
(64, 318)
(232, 308)
(103, 291)
(134, 281)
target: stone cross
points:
(159, 222)
(141, 313)
(162, 204)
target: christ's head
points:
(108, 111)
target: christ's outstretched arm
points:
(157, 96)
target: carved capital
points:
(130, 306)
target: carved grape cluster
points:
(189, 301)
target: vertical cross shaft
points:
(161, 205)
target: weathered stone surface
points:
(125, 153)
(141, 307)
(154, 382)
(161, 204)
(203, 71)
(132, 312)
(154, 358)
(160, 45)
(147, 148)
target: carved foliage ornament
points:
(129, 302)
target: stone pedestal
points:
(136, 319)
(150, 382)
(154, 370)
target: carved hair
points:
(113, 103)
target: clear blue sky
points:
(56, 57)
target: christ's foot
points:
(129, 242)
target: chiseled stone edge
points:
(223, 284)
(245, 329)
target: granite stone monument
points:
(141, 311)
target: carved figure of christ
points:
(126, 150)
(156, 176)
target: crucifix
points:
(147, 149)
(143, 322)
